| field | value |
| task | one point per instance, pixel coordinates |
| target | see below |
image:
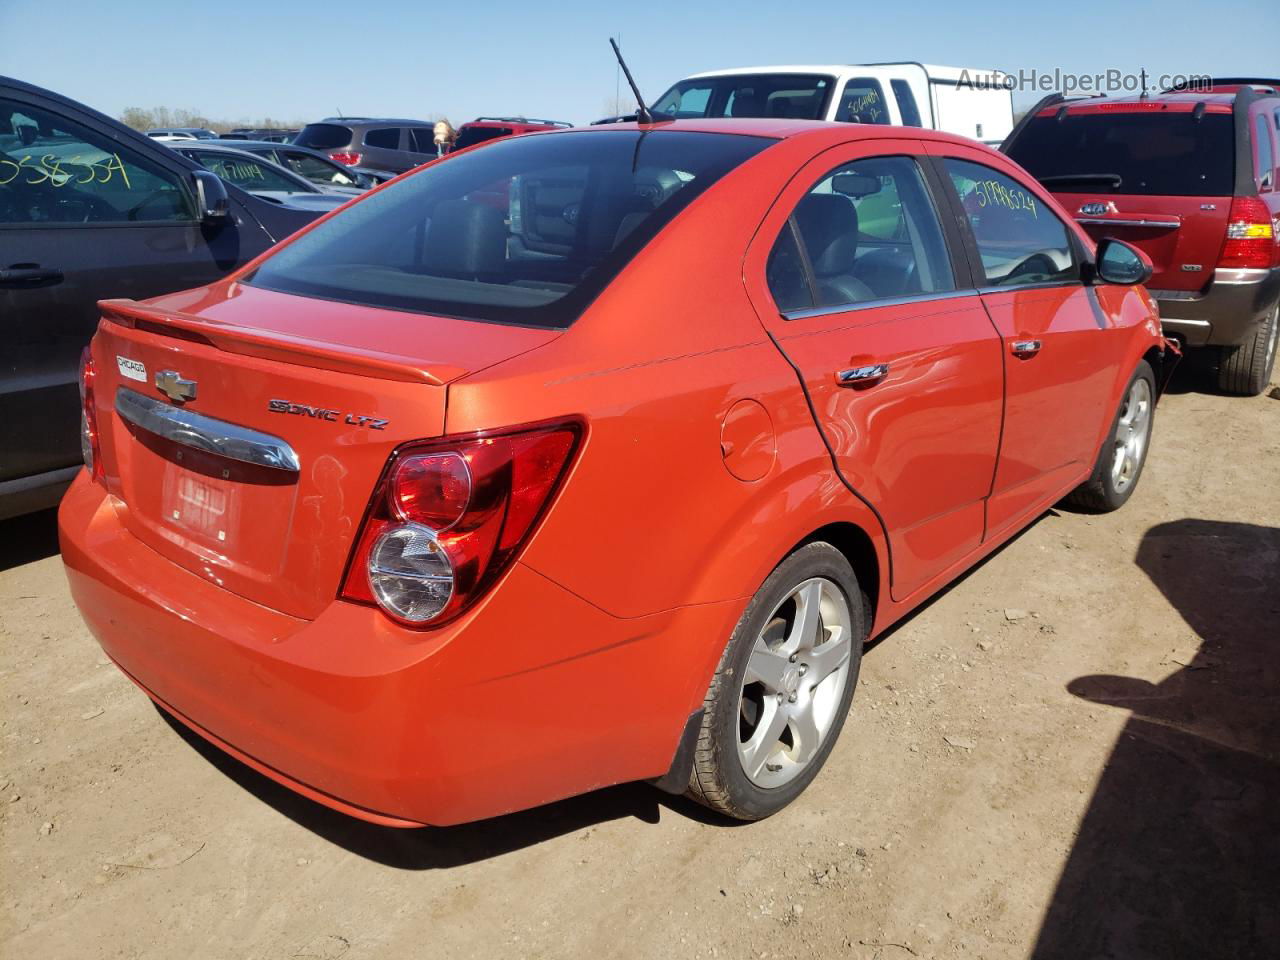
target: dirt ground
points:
(1074, 752)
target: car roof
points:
(360, 121)
(273, 144)
(932, 69)
(775, 129)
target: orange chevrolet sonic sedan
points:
(595, 456)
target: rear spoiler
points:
(269, 345)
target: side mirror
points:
(1118, 262)
(211, 196)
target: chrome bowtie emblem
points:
(171, 384)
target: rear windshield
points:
(796, 96)
(527, 230)
(323, 136)
(1145, 154)
(470, 136)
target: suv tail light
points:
(448, 516)
(350, 159)
(89, 448)
(1251, 236)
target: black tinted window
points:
(470, 136)
(387, 138)
(1148, 154)
(527, 230)
(423, 140)
(323, 136)
(786, 274)
(767, 95)
(906, 103)
(55, 171)
(1020, 241)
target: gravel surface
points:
(1073, 752)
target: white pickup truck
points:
(972, 102)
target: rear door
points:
(1161, 180)
(85, 213)
(1059, 349)
(852, 277)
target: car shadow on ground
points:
(434, 848)
(1178, 854)
(28, 538)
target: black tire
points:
(1246, 370)
(718, 779)
(1102, 492)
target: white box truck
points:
(973, 102)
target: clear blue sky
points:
(302, 60)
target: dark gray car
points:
(383, 144)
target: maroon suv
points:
(493, 128)
(1191, 178)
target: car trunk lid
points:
(244, 430)
(1183, 236)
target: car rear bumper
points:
(531, 696)
(1227, 314)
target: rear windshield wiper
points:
(1112, 178)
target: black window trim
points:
(977, 273)
(961, 271)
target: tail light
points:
(89, 448)
(1251, 236)
(448, 517)
(350, 159)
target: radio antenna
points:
(642, 111)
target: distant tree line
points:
(141, 118)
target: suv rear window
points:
(323, 136)
(1139, 154)
(527, 230)
(470, 136)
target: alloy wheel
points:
(1132, 433)
(794, 682)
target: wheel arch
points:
(859, 549)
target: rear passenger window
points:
(423, 139)
(1021, 241)
(1266, 154)
(56, 171)
(387, 138)
(786, 274)
(906, 103)
(862, 102)
(866, 231)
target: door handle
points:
(1025, 348)
(29, 275)
(865, 374)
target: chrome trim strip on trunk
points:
(1113, 222)
(214, 436)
